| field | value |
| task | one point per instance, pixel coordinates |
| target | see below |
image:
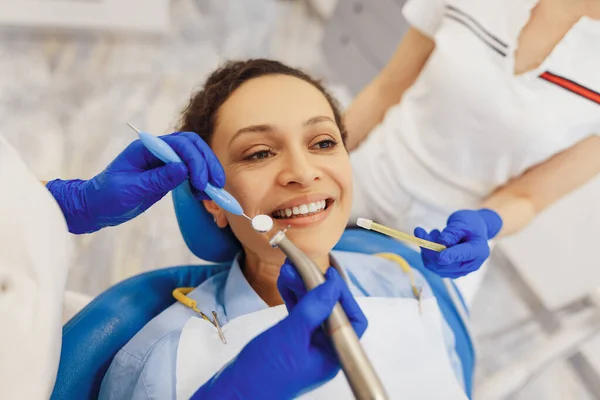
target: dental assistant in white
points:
(485, 104)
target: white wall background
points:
(134, 15)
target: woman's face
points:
(283, 156)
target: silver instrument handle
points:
(357, 367)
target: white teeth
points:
(301, 209)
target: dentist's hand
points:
(466, 235)
(295, 355)
(134, 181)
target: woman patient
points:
(280, 140)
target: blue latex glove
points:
(466, 235)
(293, 356)
(134, 181)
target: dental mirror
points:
(262, 223)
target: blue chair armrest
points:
(93, 336)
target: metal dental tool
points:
(218, 325)
(363, 379)
(180, 294)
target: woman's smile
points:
(304, 210)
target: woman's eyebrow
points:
(267, 128)
(264, 128)
(318, 120)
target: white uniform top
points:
(34, 260)
(469, 124)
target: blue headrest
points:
(202, 236)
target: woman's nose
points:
(299, 169)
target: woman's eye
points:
(325, 144)
(259, 155)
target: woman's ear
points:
(217, 213)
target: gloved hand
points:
(294, 355)
(134, 181)
(466, 235)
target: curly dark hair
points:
(201, 113)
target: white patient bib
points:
(406, 348)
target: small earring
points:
(215, 220)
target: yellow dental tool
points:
(374, 226)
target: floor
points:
(65, 99)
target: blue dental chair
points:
(93, 337)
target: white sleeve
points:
(34, 256)
(424, 15)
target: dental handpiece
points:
(357, 367)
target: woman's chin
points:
(313, 246)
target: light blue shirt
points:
(145, 367)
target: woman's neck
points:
(262, 275)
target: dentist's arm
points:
(34, 262)
(370, 105)
(521, 199)
(509, 209)
(134, 181)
